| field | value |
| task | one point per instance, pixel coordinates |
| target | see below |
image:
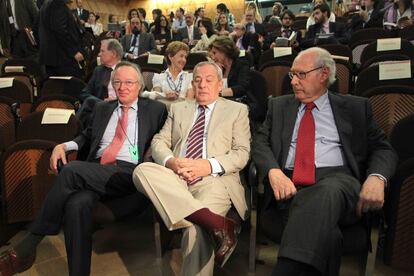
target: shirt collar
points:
(134, 105)
(209, 106)
(169, 73)
(319, 102)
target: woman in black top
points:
(161, 32)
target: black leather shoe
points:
(226, 241)
(10, 263)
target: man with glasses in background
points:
(313, 151)
(119, 134)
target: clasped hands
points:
(371, 196)
(189, 169)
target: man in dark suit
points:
(99, 87)
(119, 134)
(252, 26)
(321, 14)
(313, 151)
(80, 12)
(137, 44)
(60, 40)
(370, 16)
(189, 34)
(14, 20)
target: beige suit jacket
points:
(228, 141)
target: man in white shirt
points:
(190, 33)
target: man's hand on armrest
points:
(371, 196)
(59, 153)
(283, 187)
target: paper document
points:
(56, 116)
(60, 77)
(6, 82)
(391, 70)
(282, 51)
(155, 59)
(14, 69)
(388, 44)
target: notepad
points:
(282, 51)
(391, 70)
(56, 116)
(388, 44)
(155, 59)
(6, 82)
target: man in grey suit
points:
(14, 19)
(190, 33)
(119, 134)
(138, 43)
(313, 151)
(195, 180)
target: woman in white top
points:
(175, 83)
(311, 20)
(205, 26)
(96, 26)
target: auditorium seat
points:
(55, 101)
(20, 93)
(274, 73)
(70, 87)
(193, 59)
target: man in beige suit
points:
(193, 191)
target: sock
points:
(289, 267)
(206, 219)
(27, 246)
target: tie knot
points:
(310, 106)
(201, 108)
(124, 108)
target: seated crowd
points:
(322, 158)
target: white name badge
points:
(60, 77)
(388, 44)
(155, 59)
(14, 69)
(395, 70)
(6, 82)
(56, 116)
(282, 51)
(242, 53)
(98, 61)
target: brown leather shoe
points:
(226, 241)
(11, 264)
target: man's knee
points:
(80, 202)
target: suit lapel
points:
(186, 121)
(216, 117)
(103, 123)
(289, 119)
(142, 126)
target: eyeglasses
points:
(128, 83)
(302, 75)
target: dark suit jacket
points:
(259, 28)
(375, 21)
(365, 147)
(336, 28)
(239, 78)
(26, 16)
(59, 34)
(146, 43)
(84, 15)
(151, 117)
(183, 33)
(98, 84)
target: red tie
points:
(195, 139)
(109, 155)
(304, 168)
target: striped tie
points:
(195, 139)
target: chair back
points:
(390, 104)
(7, 124)
(71, 87)
(20, 93)
(257, 96)
(193, 59)
(338, 50)
(54, 101)
(31, 128)
(267, 58)
(274, 73)
(26, 179)
(143, 64)
(402, 137)
(344, 76)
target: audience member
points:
(100, 87)
(96, 27)
(222, 8)
(155, 13)
(322, 25)
(80, 12)
(60, 40)
(370, 16)
(14, 19)
(112, 18)
(175, 83)
(222, 26)
(142, 14)
(276, 11)
(401, 14)
(205, 27)
(132, 13)
(251, 6)
(161, 31)
(179, 21)
(199, 153)
(246, 41)
(313, 151)
(138, 43)
(190, 33)
(252, 26)
(119, 134)
(199, 15)
(311, 20)
(224, 52)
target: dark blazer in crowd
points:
(271, 37)
(183, 33)
(98, 84)
(239, 77)
(259, 28)
(60, 39)
(146, 43)
(375, 21)
(338, 29)
(251, 41)
(83, 16)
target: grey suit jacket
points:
(146, 43)
(183, 33)
(228, 141)
(365, 146)
(26, 14)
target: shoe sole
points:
(227, 256)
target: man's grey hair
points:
(204, 63)
(135, 67)
(114, 45)
(323, 58)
